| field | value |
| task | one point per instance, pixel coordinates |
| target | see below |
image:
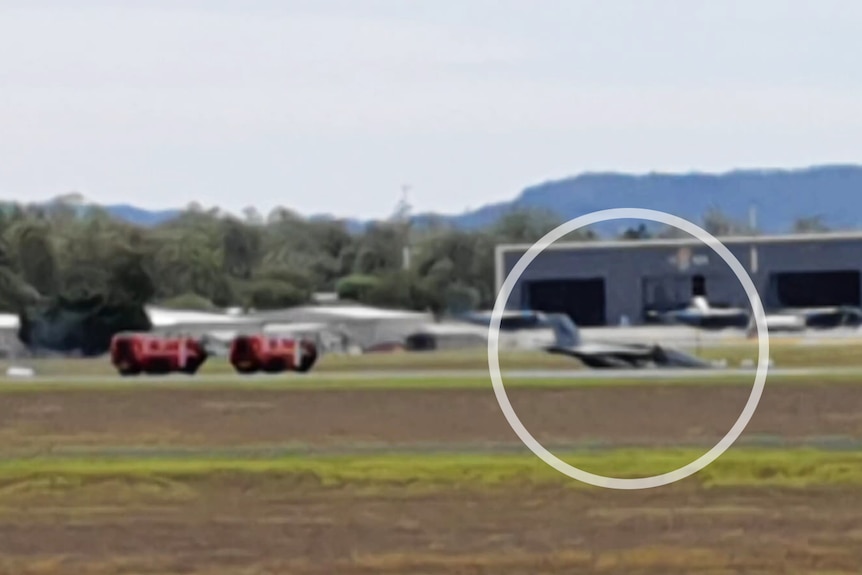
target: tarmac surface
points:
(452, 419)
(582, 374)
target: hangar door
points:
(816, 289)
(583, 300)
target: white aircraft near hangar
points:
(700, 314)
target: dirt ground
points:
(237, 526)
(233, 530)
(448, 418)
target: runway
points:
(327, 376)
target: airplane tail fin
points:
(700, 303)
(565, 329)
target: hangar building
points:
(605, 282)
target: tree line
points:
(205, 259)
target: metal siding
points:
(836, 255)
(624, 268)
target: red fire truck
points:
(134, 353)
(272, 354)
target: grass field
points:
(406, 475)
(438, 472)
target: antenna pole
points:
(402, 217)
(752, 217)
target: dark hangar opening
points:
(816, 289)
(583, 300)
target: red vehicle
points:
(272, 354)
(134, 353)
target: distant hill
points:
(125, 212)
(140, 216)
(781, 196)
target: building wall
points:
(805, 256)
(626, 267)
(10, 345)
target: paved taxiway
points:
(648, 373)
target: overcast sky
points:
(331, 105)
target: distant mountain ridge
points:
(781, 196)
(140, 216)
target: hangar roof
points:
(161, 317)
(652, 243)
(344, 312)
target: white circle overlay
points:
(759, 377)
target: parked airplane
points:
(699, 313)
(800, 319)
(568, 341)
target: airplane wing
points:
(715, 318)
(598, 355)
(831, 318)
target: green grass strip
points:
(739, 467)
(421, 382)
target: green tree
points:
(241, 248)
(524, 225)
(274, 294)
(130, 281)
(639, 232)
(188, 301)
(810, 225)
(36, 258)
(719, 224)
(380, 250)
(356, 287)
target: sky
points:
(331, 106)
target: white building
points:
(448, 336)
(364, 326)
(10, 345)
(198, 323)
